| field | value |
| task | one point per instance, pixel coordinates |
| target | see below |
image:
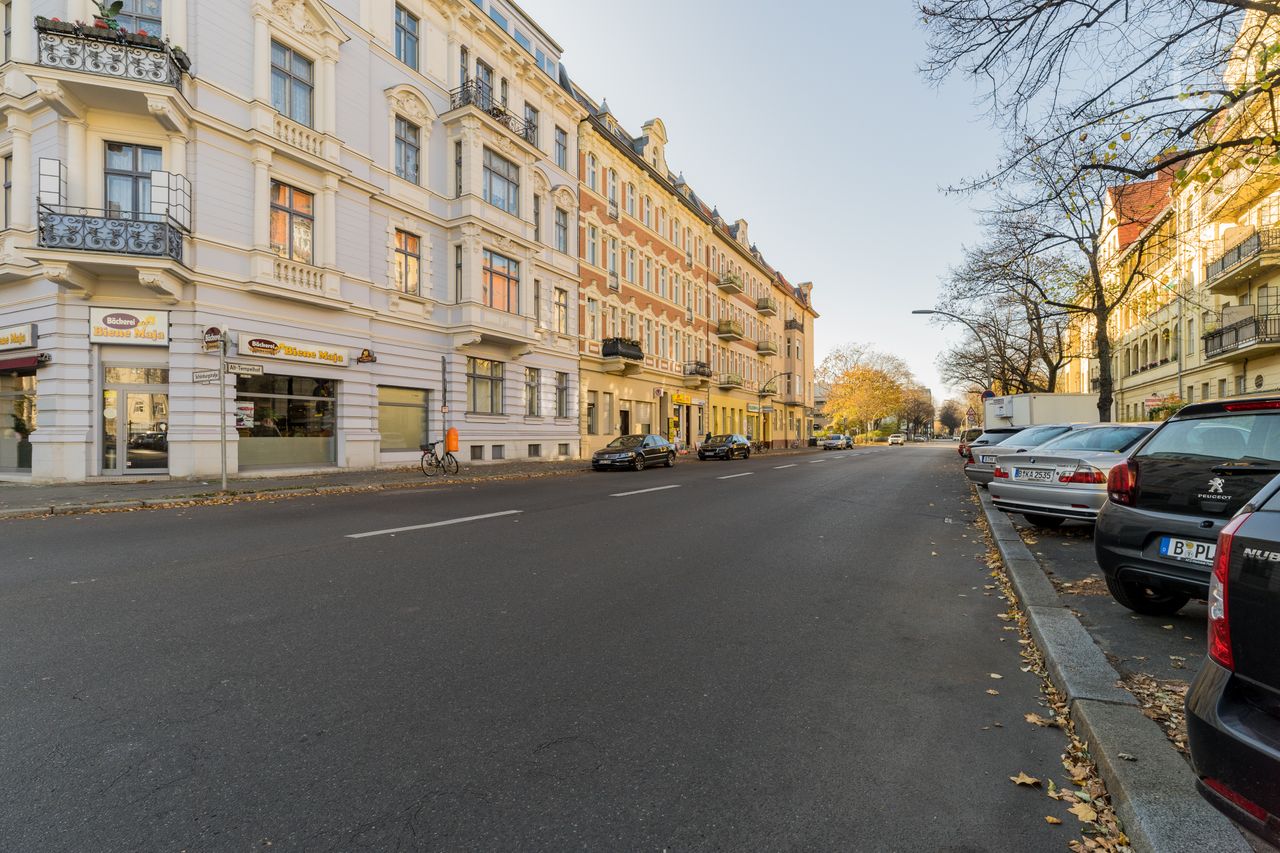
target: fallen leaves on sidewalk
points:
(1162, 700)
(1023, 779)
(1053, 820)
(1037, 720)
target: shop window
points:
(286, 420)
(484, 386)
(403, 417)
(292, 222)
(535, 450)
(17, 421)
(477, 453)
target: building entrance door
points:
(135, 420)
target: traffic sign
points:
(205, 377)
(444, 410)
(212, 339)
(244, 368)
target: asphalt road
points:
(797, 658)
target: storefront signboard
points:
(18, 337)
(753, 407)
(127, 326)
(682, 399)
(266, 346)
(212, 339)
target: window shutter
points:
(171, 196)
(52, 187)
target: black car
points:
(725, 447)
(1155, 536)
(1233, 706)
(635, 452)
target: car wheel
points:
(702, 457)
(638, 464)
(1048, 522)
(746, 453)
(1141, 598)
(671, 460)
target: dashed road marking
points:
(433, 524)
(780, 467)
(643, 491)
(731, 476)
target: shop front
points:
(133, 402)
(18, 362)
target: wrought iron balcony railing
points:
(473, 93)
(1262, 240)
(96, 230)
(1242, 334)
(697, 368)
(145, 59)
(621, 347)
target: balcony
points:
(792, 399)
(729, 330)
(621, 348)
(473, 93)
(688, 259)
(613, 209)
(766, 348)
(727, 381)
(767, 306)
(108, 53)
(697, 374)
(1244, 338)
(794, 325)
(118, 232)
(614, 284)
(1243, 260)
(299, 136)
(729, 283)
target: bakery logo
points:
(121, 320)
(263, 346)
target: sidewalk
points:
(19, 499)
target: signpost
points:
(214, 339)
(242, 368)
(206, 377)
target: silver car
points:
(983, 466)
(1065, 477)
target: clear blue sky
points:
(810, 122)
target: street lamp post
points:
(761, 395)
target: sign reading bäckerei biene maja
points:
(127, 326)
(268, 346)
(18, 337)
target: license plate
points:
(1035, 475)
(1188, 550)
(987, 460)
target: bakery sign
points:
(18, 337)
(121, 326)
(267, 346)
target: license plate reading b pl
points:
(1188, 550)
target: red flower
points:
(143, 33)
(56, 20)
(102, 25)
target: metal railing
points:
(729, 380)
(473, 93)
(97, 230)
(729, 329)
(767, 305)
(1242, 334)
(1262, 240)
(110, 53)
(621, 347)
(729, 283)
(794, 325)
(697, 368)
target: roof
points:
(1138, 205)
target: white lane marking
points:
(642, 491)
(841, 456)
(780, 467)
(433, 524)
(816, 461)
(731, 476)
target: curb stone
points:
(1155, 795)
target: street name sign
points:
(244, 368)
(205, 377)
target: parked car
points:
(1155, 536)
(898, 439)
(725, 447)
(982, 470)
(635, 452)
(837, 441)
(1233, 706)
(1066, 477)
(966, 437)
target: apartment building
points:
(375, 201)
(683, 324)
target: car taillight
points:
(1122, 483)
(1001, 474)
(1243, 802)
(1252, 406)
(1219, 621)
(1084, 474)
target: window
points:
(562, 148)
(1222, 388)
(403, 417)
(531, 118)
(613, 186)
(593, 413)
(292, 221)
(562, 395)
(293, 421)
(593, 319)
(291, 83)
(648, 274)
(406, 37)
(537, 218)
(8, 33)
(498, 451)
(457, 273)
(613, 255)
(648, 213)
(562, 231)
(501, 183)
(591, 172)
(592, 233)
(134, 16)
(457, 169)
(484, 85)
(477, 453)
(631, 264)
(128, 177)
(501, 282)
(535, 450)
(8, 186)
(464, 62)
(498, 17)
(562, 311)
(408, 262)
(631, 199)
(407, 150)
(533, 392)
(484, 386)
(564, 448)
(537, 303)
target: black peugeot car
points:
(1155, 536)
(1233, 706)
(634, 452)
(725, 447)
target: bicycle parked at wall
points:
(759, 446)
(433, 461)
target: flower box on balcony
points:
(621, 348)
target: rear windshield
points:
(1246, 438)
(994, 437)
(1036, 436)
(1114, 439)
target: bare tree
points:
(951, 416)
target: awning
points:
(24, 362)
